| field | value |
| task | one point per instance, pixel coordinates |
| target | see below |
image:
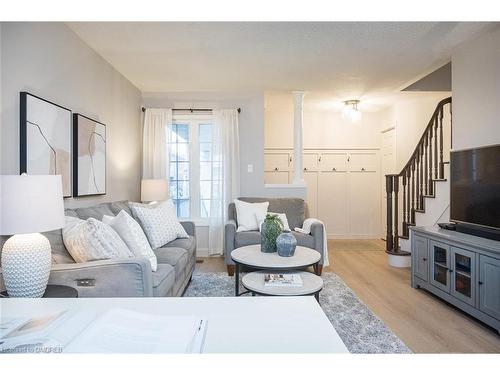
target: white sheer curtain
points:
(225, 174)
(154, 143)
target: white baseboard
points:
(202, 253)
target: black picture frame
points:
(78, 123)
(24, 140)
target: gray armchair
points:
(296, 212)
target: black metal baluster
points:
(388, 189)
(396, 212)
(408, 195)
(441, 165)
(413, 192)
(436, 148)
(417, 186)
(404, 224)
(429, 177)
(426, 181)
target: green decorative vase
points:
(271, 229)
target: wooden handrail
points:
(419, 174)
(439, 106)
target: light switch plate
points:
(250, 168)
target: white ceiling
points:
(335, 60)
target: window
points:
(194, 167)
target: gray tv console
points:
(462, 269)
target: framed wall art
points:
(45, 139)
(89, 156)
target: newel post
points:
(388, 189)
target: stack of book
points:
(282, 279)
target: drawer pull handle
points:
(424, 259)
(480, 282)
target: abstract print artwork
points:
(45, 139)
(89, 159)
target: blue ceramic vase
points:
(286, 244)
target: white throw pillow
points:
(247, 214)
(283, 218)
(132, 234)
(90, 239)
(159, 222)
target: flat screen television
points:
(475, 189)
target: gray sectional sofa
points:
(296, 212)
(130, 277)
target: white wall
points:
(322, 130)
(476, 92)
(51, 61)
(410, 115)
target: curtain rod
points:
(192, 109)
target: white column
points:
(298, 99)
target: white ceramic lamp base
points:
(26, 260)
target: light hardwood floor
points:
(424, 322)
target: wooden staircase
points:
(415, 182)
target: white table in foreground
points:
(235, 325)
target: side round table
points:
(53, 291)
(251, 257)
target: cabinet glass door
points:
(463, 267)
(440, 254)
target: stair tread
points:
(419, 210)
(439, 179)
(403, 237)
(429, 195)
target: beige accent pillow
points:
(159, 222)
(91, 239)
(132, 234)
(247, 214)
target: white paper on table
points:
(125, 331)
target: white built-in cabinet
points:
(343, 187)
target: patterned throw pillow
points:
(90, 239)
(132, 234)
(159, 222)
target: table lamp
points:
(153, 190)
(29, 205)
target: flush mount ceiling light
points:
(351, 111)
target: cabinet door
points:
(364, 204)
(333, 162)
(333, 202)
(276, 161)
(310, 162)
(276, 177)
(363, 161)
(421, 258)
(489, 286)
(440, 265)
(463, 275)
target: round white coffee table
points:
(251, 257)
(311, 284)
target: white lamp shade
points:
(30, 204)
(154, 190)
